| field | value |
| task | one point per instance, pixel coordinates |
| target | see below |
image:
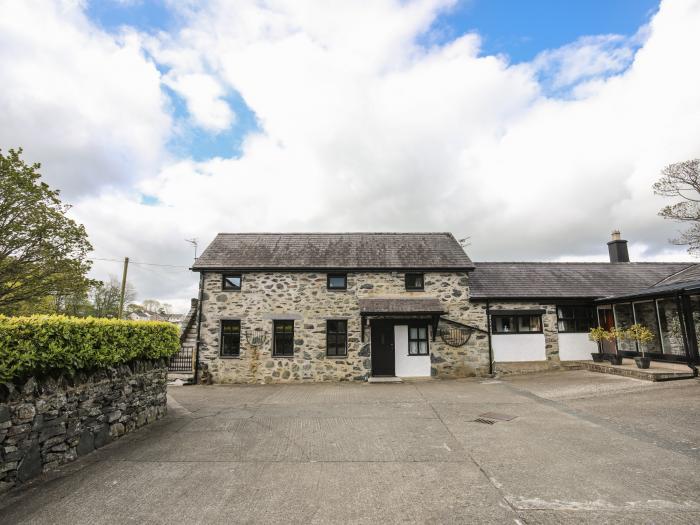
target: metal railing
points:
(183, 360)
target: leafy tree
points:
(105, 297)
(43, 252)
(682, 181)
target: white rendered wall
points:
(408, 365)
(576, 347)
(518, 347)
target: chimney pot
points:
(617, 248)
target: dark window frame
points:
(414, 287)
(590, 321)
(235, 336)
(335, 338)
(516, 323)
(337, 288)
(225, 288)
(288, 336)
(418, 339)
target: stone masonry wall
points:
(46, 423)
(304, 298)
(551, 339)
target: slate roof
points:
(690, 273)
(515, 280)
(400, 305)
(334, 251)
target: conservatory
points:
(671, 311)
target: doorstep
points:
(384, 379)
(658, 371)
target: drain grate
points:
(484, 421)
(497, 416)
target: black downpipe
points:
(199, 326)
(488, 332)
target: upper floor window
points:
(230, 338)
(575, 318)
(516, 324)
(337, 338)
(283, 340)
(337, 281)
(232, 281)
(414, 281)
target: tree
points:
(682, 181)
(105, 297)
(43, 252)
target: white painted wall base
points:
(576, 347)
(518, 347)
(408, 365)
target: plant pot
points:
(642, 362)
(615, 359)
(598, 357)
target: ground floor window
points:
(230, 338)
(671, 328)
(283, 340)
(418, 340)
(575, 318)
(516, 324)
(337, 338)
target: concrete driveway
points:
(582, 447)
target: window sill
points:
(517, 333)
(283, 356)
(418, 355)
(229, 357)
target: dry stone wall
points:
(46, 423)
(304, 298)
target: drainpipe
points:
(199, 327)
(488, 332)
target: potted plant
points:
(598, 335)
(642, 335)
(616, 334)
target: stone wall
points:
(551, 339)
(304, 298)
(46, 423)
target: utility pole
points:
(121, 295)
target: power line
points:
(142, 263)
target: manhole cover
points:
(497, 416)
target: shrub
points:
(51, 345)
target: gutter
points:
(199, 326)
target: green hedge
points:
(49, 345)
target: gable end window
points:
(337, 338)
(575, 318)
(414, 281)
(337, 281)
(230, 338)
(516, 324)
(232, 282)
(283, 339)
(418, 339)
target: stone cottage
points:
(334, 307)
(358, 306)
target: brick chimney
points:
(617, 248)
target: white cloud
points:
(363, 129)
(204, 96)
